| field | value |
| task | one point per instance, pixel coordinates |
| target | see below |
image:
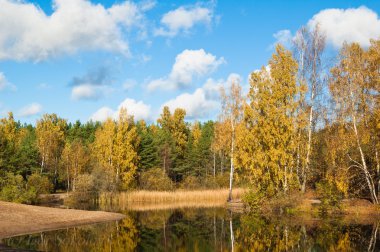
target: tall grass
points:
(149, 200)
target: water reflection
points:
(207, 230)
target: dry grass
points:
(149, 200)
(19, 219)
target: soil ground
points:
(19, 219)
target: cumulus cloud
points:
(5, 84)
(138, 109)
(93, 85)
(350, 25)
(183, 19)
(188, 64)
(195, 104)
(203, 101)
(102, 114)
(340, 25)
(27, 33)
(30, 110)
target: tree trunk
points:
(221, 163)
(232, 233)
(308, 150)
(367, 175)
(232, 161)
(68, 178)
(377, 172)
(286, 179)
(214, 164)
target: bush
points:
(223, 180)
(40, 184)
(14, 189)
(254, 199)
(85, 189)
(105, 180)
(85, 194)
(330, 196)
(155, 179)
(191, 183)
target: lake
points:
(207, 229)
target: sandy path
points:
(18, 219)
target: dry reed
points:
(149, 200)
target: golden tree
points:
(267, 148)
(125, 157)
(50, 131)
(232, 112)
(75, 158)
(350, 87)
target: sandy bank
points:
(18, 219)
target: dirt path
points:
(18, 219)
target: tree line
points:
(303, 125)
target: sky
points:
(84, 60)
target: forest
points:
(310, 121)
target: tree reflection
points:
(208, 230)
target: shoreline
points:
(18, 219)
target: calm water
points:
(205, 230)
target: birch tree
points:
(126, 142)
(348, 87)
(309, 45)
(50, 131)
(232, 112)
(267, 145)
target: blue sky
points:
(86, 59)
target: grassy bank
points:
(149, 200)
(312, 205)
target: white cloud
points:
(183, 19)
(195, 104)
(283, 37)
(30, 110)
(90, 92)
(188, 64)
(27, 33)
(5, 84)
(350, 25)
(102, 114)
(86, 91)
(92, 85)
(204, 101)
(138, 109)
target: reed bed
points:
(153, 200)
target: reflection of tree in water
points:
(261, 234)
(206, 230)
(185, 230)
(116, 236)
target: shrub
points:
(85, 194)
(155, 179)
(223, 180)
(40, 184)
(14, 189)
(104, 180)
(190, 182)
(330, 196)
(254, 199)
